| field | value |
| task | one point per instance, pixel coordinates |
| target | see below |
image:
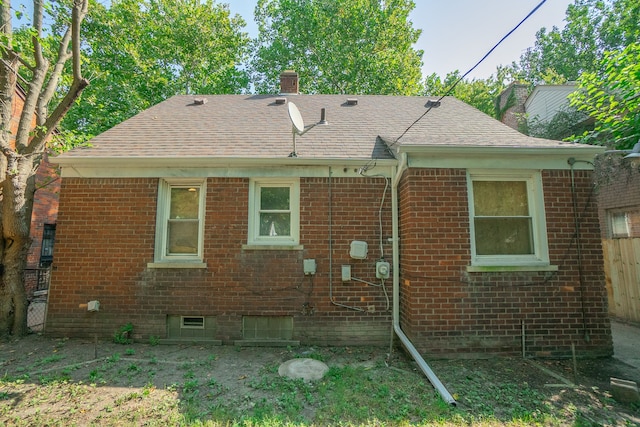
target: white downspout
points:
(444, 393)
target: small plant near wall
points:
(124, 335)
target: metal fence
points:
(36, 282)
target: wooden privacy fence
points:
(622, 274)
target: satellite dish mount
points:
(297, 124)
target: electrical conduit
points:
(424, 367)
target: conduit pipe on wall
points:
(424, 367)
(572, 161)
(331, 251)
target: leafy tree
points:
(479, 93)
(611, 97)
(568, 121)
(593, 27)
(174, 47)
(350, 46)
(23, 146)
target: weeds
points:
(223, 389)
(48, 360)
(124, 335)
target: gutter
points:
(424, 367)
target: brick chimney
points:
(289, 83)
(511, 105)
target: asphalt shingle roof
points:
(255, 126)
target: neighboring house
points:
(200, 219)
(545, 101)
(43, 217)
(619, 212)
(544, 112)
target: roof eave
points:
(569, 149)
(199, 162)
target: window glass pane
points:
(275, 224)
(184, 203)
(500, 198)
(620, 224)
(504, 236)
(274, 198)
(182, 237)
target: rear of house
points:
(208, 220)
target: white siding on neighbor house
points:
(546, 100)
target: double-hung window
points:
(274, 212)
(180, 223)
(507, 218)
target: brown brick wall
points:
(514, 115)
(619, 192)
(45, 208)
(447, 310)
(105, 238)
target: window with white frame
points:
(619, 224)
(274, 212)
(507, 218)
(180, 222)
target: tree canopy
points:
(612, 97)
(350, 46)
(479, 93)
(140, 52)
(593, 27)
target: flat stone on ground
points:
(307, 369)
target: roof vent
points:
(280, 101)
(352, 101)
(432, 104)
(200, 101)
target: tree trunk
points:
(13, 296)
(17, 205)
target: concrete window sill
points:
(509, 268)
(194, 264)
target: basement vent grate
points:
(192, 322)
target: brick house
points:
(205, 218)
(543, 110)
(617, 192)
(619, 212)
(45, 211)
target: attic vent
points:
(280, 101)
(200, 101)
(432, 104)
(352, 101)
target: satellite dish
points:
(296, 117)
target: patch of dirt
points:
(111, 381)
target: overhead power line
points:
(534, 10)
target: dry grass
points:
(61, 382)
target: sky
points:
(456, 34)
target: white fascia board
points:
(501, 157)
(117, 167)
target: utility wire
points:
(534, 10)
